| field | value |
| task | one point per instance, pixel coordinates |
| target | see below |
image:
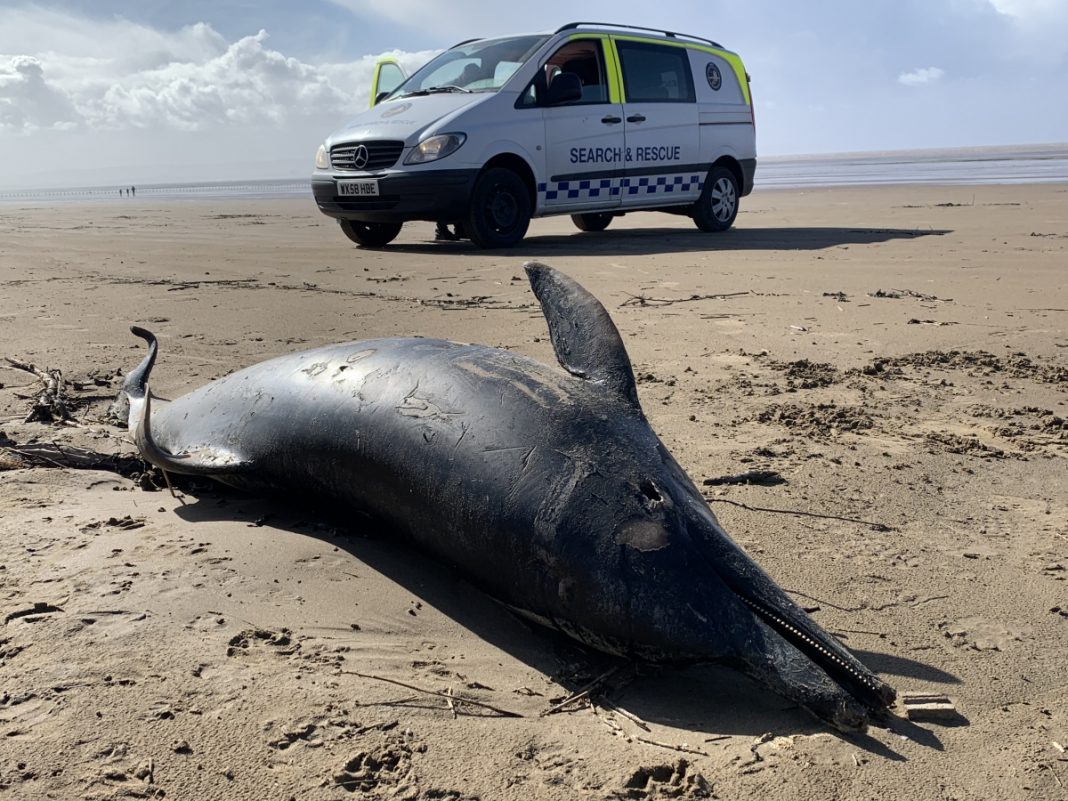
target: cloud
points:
(186, 80)
(248, 83)
(27, 101)
(921, 76)
(1028, 8)
(1037, 29)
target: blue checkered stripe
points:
(613, 187)
(662, 184)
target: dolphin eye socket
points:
(650, 491)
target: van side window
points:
(655, 73)
(584, 58)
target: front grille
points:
(380, 155)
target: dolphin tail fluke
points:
(193, 462)
(136, 381)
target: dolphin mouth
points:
(859, 682)
(778, 644)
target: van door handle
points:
(636, 118)
(611, 120)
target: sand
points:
(896, 355)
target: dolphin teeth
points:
(778, 622)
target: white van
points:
(593, 120)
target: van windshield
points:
(482, 66)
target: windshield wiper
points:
(434, 90)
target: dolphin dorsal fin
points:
(585, 339)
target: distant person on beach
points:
(133, 191)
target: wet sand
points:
(897, 356)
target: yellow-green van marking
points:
(726, 55)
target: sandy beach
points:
(896, 356)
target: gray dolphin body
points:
(546, 488)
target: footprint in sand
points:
(669, 780)
(981, 634)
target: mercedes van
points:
(592, 120)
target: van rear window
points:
(655, 73)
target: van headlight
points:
(322, 158)
(436, 147)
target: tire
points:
(500, 209)
(591, 222)
(370, 235)
(717, 207)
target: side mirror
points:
(565, 87)
(380, 97)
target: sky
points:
(141, 91)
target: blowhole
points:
(650, 491)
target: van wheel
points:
(591, 222)
(500, 209)
(717, 207)
(370, 235)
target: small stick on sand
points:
(874, 526)
(167, 481)
(448, 696)
(611, 724)
(1052, 772)
(685, 749)
(582, 692)
(386, 726)
(637, 721)
(566, 702)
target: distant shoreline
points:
(1024, 164)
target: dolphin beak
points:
(781, 666)
(779, 645)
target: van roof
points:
(660, 31)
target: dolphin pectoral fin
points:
(586, 341)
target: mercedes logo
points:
(360, 157)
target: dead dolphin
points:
(546, 488)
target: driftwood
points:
(451, 699)
(51, 404)
(898, 294)
(642, 300)
(447, 303)
(52, 454)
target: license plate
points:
(365, 188)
